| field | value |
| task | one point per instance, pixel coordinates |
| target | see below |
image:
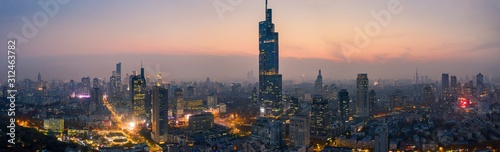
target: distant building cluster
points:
(143, 112)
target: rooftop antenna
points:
(266, 4)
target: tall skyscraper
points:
(445, 82)
(362, 105)
(453, 84)
(343, 111)
(416, 76)
(269, 127)
(40, 82)
(381, 139)
(479, 80)
(138, 96)
(86, 86)
(112, 85)
(270, 81)
(372, 98)
(39, 78)
(179, 103)
(320, 119)
(119, 77)
(318, 84)
(96, 96)
(148, 105)
(159, 116)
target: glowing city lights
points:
(131, 125)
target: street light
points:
(131, 125)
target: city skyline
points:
(435, 88)
(311, 39)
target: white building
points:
(222, 107)
(212, 101)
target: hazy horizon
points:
(220, 68)
(189, 40)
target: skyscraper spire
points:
(39, 77)
(416, 76)
(266, 5)
(318, 84)
(270, 81)
(269, 14)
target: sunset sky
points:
(188, 39)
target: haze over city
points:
(248, 75)
(190, 40)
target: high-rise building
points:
(159, 82)
(299, 131)
(270, 131)
(320, 118)
(40, 82)
(201, 122)
(381, 139)
(235, 88)
(159, 114)
(190, 92)
(212, 101)
(318, 84)
(112, 84)
(255, 98)
(479, 80)
(362, 105)
(445, 82)
(148, 105)
(179, 103)
(39, 78)
(343, 111)
(372, 98)
(294, 104)
(85, 86)
(429, 96)
(119, 77)
(95, 83)
(96, 96)
(270, 81)
(396, 99)
(416, 76)
(453, 84)
(138, 96)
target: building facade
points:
(362, 105)
(159, 114)
(270, 87)
(138, 96)
(299, 131)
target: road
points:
(132, 133)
